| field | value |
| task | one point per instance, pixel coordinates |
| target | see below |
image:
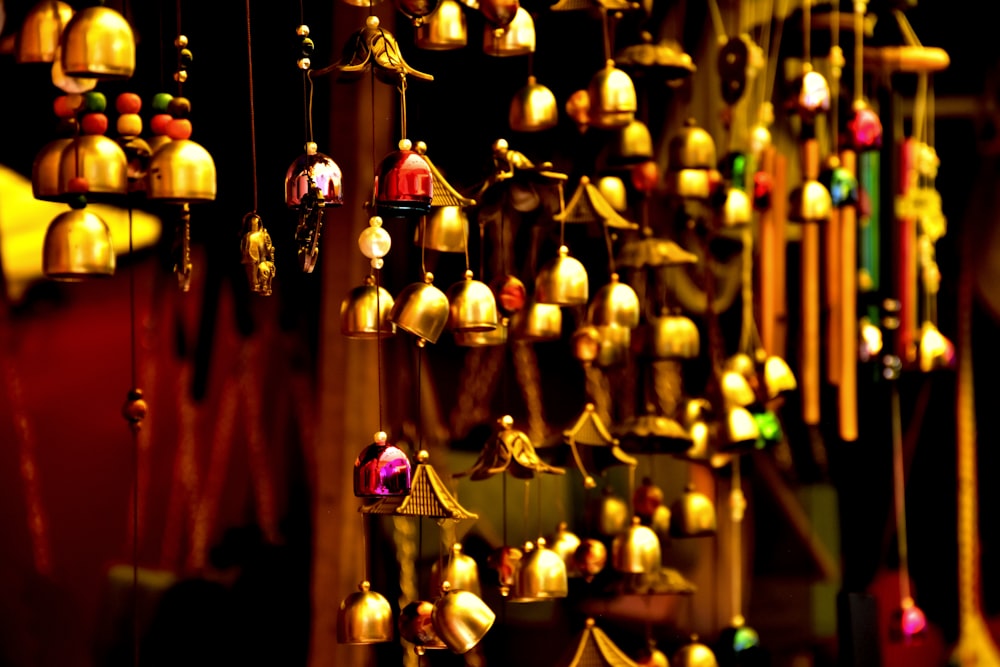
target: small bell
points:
(77, 246)
(694, 654)
(737, 210)
(563, 281)
(865, 127)
(539, 322)
(636, 550)
(364, 617)
(515, 39)
(364, 312)
(692, 515)
(98, 43)
(736, 391)
(615, 304)
(692, 148)
(612, 513)
(841, 184)
(504, 562)
(564, 544)
(38, 39)
(443, 30)
(908, 624)
(181, 171)
(404, 184)
(612, 188)
(810, 202)
(653, 657)
(422, 310)
(381, 470)
(461, 619)
(778, 377)
(634, 144)
(612, 98)
(541, 575)
(460, 571)
(472, 306)
(533, 108)
(445, 229)
(416, 627)
(737, 643)
(673, 337)
(313, 178)
(741, 430)
(814, 93)
(590, 558)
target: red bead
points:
(763, 186)
(128, 103)
(645, 176)
(94, 123)
(179, 128)
(158, 123)
(78, 185)
(63, 107)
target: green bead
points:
(161, 101)
(78, 202)
(769, 426)
(95, 102)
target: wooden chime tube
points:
(810, 298)
(767, 263)
(906, 242)
(832, 284)
(779, 211)
(847, 396)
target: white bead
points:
(374, 242)
(378, 263)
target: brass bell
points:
(460, 571)
(692, 515)
(736, 391)
(77, 246)
(533, 108)
(382, 470)
(38, 38)
(737, 210)
(472, 306)
(673, 337)
(416, 627)
(516, 39)
(636, 550)
(490, 338)
(612, 98)
(98, 43)
(694, 654)
(364, 617)
(691, 183)
(741, 430)
(45, 184)
(615, 304)
(590, 558)
(541, 575)
(612, 513)
(564, 543)
(181, 171)
(313, 178)
(778, 377)
(814, 92)
(461, 619)
(99, 160)
(810, 202)
(692, 148)
(364, 312)
(422, 310)
(634, 144)
(443, 30)
(653, 657)
(563, 281)
(613, 190)
(615, 342)
(444, 230)
(539, 322)
(936, 351)
(404, 184)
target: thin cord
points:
(717, 23)
(772, 64)
(253, 129)
(859, 48)
(899, 496)
(837, 56)
(807, 30)
(378, 343)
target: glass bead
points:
(181, 41)
(185, 57)
(161, 101)
(128, 103)
(78, 201)
(179, 128)
(77, 185)
(94, 123)
(129, 125)
(374, 242)
(378, 263)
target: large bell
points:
(741, 429)
(541, 575)
(422, 310)
(443, 30)
(364, 312)
(444, 230)
(416, 626)
(45, 171)
(533, 108)
(382, 470)
(181, 171)
(736, 391)
(38, 38)
(97, 159)
(636, 550)
(516, 39)
(692, 515)
(98, 43)
(472, 306)
(692, 148)
(615, 304)
(460, 571)
(612, 188)
(404, 184)
(461, 619)
(612, 96)
(563, 281)
(365, 617)
(77, 246)
(313, 174)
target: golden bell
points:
(636, 550)
(38, 38)
(516, 39)
(612, 98)
(691, 183)
(737, 211)
(99, 160)
(673, 337)
(364, 617)
(533, 108)
(692, 148)
(45, 171)
(936, 351)
(539, 322)
(181, 171)
(422, 310)
(613, 190)
(612, 514)
(416, 627)
(541, 575)
(98, 43)
(741, 428)
(445, 229)
(77, 246)
(615, 304)
(694, 654)
(736, 391)
(810, 202)
(461, 619)
(443, 30)
(692, 515)
(472, 306)
(491, 338)
(460, 571)
(563, 281)
(564, 544)
(614, 345)
(654, 657)
(364, 312)
(634, 144)
(778, 377)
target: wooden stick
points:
(847, 397)
(906, 242)
(779, 210)
(832, 285)
(767, 263)
(810, 296)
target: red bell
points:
(403, 185)
(763, 186)
(865, 127)
(313, 174)
(908, 624)
(381, 470)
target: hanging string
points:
(378, 344)
(807, 31)
(179, 79)
(772, 62)
(717, 22)
(899, 497)
(253, 129)
(859, 48)
(736, 506)
(836, 58)
(606, 33)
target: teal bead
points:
(94, 102)
(161, 101)
(843, 187)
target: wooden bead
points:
(94, 123)
(62, 108)
(95, 102)
(160, 102)
(179, 128)
(128, 103)
(158, 123)
(179, 107)
(129, 125)
(75, 102)
(78, 185)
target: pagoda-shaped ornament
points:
(509, 450)
(594, 648)
(429, 497)
(600, 448)
(588, 205)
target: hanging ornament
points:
(37, 41)
(692, 515)
(364, 312)
(258, 254)
(541, 574)
(460, 571)
(373, 47)
(517, 38)
(636, 550)
(445, 29)
(403, 184)
(461, 619)
(694, 654)
(533, 108)
(364, 617)
(381, 470)
(416, 626)
(508, 450)
(97, 42)
(565, 543)
(422, 310)
(312, 183)
(77, 245)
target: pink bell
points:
(404, 184)
(313, 173)
(865, 127)
(908, 624)
(381, 470)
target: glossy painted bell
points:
(510, 292)
(181, 171)
(636, 550)
(364, 312)
(810, 202)
(461, 619)
(612, 96)
(444, 230)
(865, 127)
(382, 470)
(313, 178)
(77, 246)
(45, 171)
(541, 575)
(908, 624)
(615, 304)
(694, 654)
(365, 617)
(564, 543)
(416, 627)
(778, 377)
(533, 108)
(673, 337)
(692, 148)
(515, 39)
(692, 515)
(41, 28)
(460, 571)
(98, 43)
(404, 184)
(472, 306)
(633, 144)
(416, 10)
(737, 643)
(562, 281)
(97, 159)
(499, 12)
(422, 309)
(504, 562)
(590, 558)
(443, 30)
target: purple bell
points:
(313, 174)
(404, 184)
(381, 470)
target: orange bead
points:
(77, 185)
(94, 123)
(128, 103)
(179, 128)
(129, 125)
(62, 107)
(158, 123)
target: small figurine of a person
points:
(258, 254)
